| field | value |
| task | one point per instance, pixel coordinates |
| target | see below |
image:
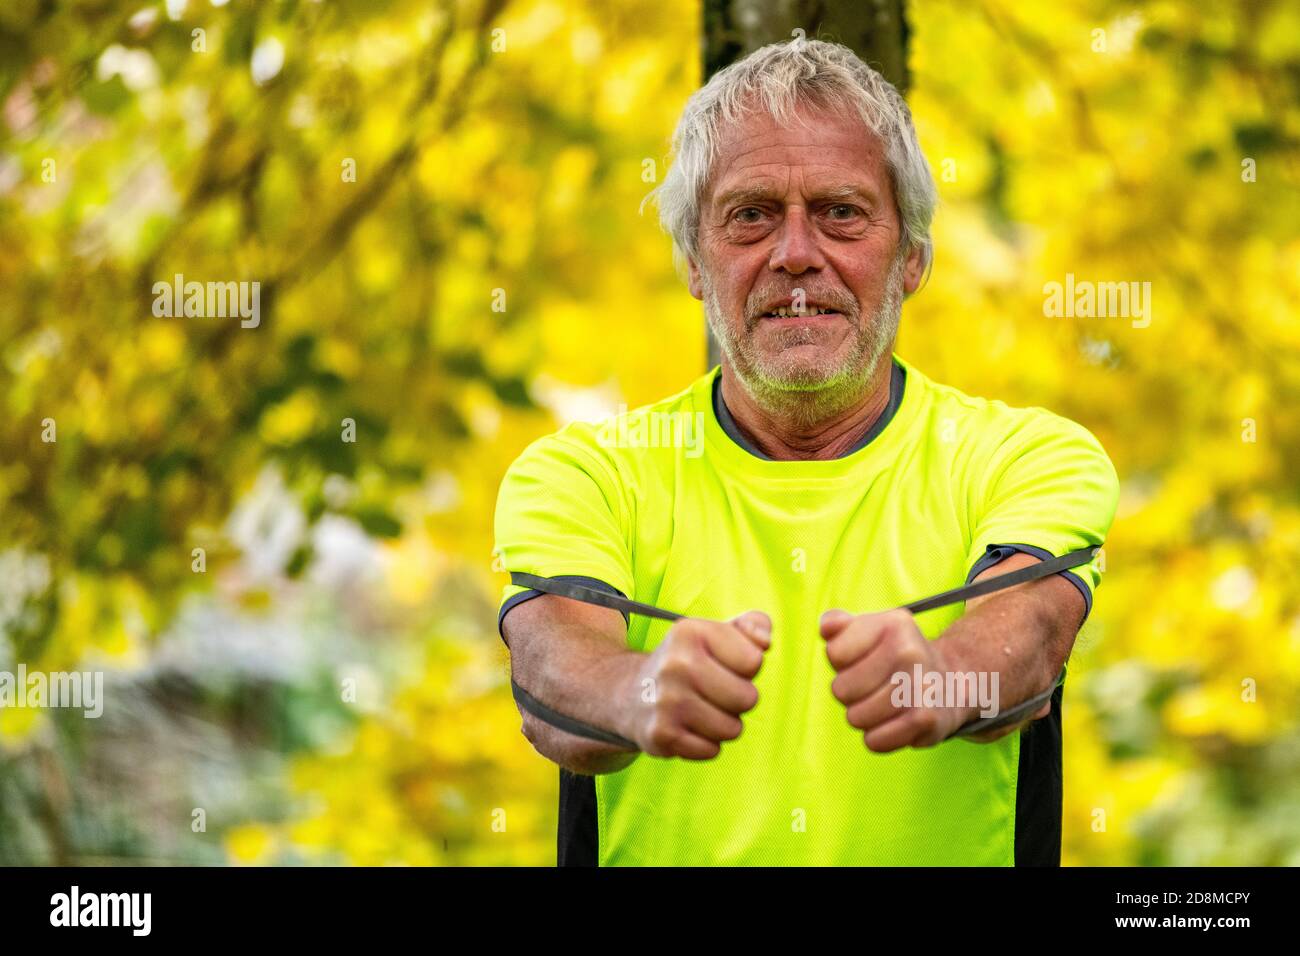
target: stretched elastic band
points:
(579, 592)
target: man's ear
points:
(914, 269)
(693, 279)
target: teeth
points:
(786, 313)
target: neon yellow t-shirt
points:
(662, 505)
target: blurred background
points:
(275, 542)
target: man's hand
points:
(695, 684)
(867, 650)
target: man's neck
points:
(784, 436)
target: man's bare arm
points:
(1024, 633)
(572, 656)
(682, 700)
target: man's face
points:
(808, 209)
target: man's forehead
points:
(836, 156)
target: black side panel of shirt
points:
(1039, 790)
(578, 837)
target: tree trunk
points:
(874, 29)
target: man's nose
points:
(796, 247)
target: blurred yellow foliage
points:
(453, 258)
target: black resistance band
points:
(588, 595)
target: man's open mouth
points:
(784, 313)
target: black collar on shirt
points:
(897, 379)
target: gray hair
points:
(774, 79)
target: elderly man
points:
(834, 481)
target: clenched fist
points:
(697, 683)
(866, 651)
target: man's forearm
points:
(581, 674)
(1019, 635)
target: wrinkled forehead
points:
(830, 149)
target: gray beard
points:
(807, 397)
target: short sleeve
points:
(1049, 489)
(561, 513)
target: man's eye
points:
(846, 208)
(741, 212)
